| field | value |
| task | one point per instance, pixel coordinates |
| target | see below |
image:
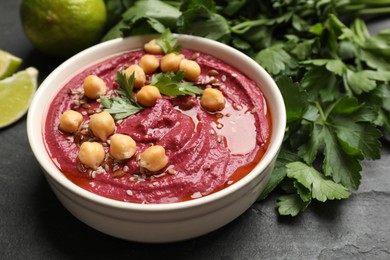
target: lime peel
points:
(16, 93)
(8, 64)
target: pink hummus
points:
(207, 151)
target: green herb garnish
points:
(171, 84)
(124, 105)
(168, 42)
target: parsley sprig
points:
(125, 104)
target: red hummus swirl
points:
(206, 151)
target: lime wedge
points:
(16, 93)
(8, 64)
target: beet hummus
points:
(206, 151)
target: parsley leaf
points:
(321, 188)
(126, 85)
(142, 17)
(194, 20)
(280, 171)
(168, 42)
(295, 98)
(171, 84)
(275, 59)
(291, 204)
(341, 166)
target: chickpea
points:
(102, 125)
(122, 146)
(212, 100)
(149, 63)
(70, 121)
(94, 87)
(153, 48)
(139, 75)
(148, 95)
(191, 69)
(171, 62)
(153, 158)
(91, 154)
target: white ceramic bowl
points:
(156, 222)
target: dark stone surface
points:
(34, 225)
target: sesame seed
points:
(234, 75)
(129, 192)
(118, 173)
(159, 175)
(115, 167)
(196, 195)
(84, 131)
(213, 72)
(195, 55)
(100, 170)
(213, 80)
(172, 171)
(223, 78)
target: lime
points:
(63, 28)
(16, 93)
(8, 64)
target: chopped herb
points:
(171, 84)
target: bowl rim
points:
(50, 169)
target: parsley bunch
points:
(334, 77)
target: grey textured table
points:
(34, 225)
